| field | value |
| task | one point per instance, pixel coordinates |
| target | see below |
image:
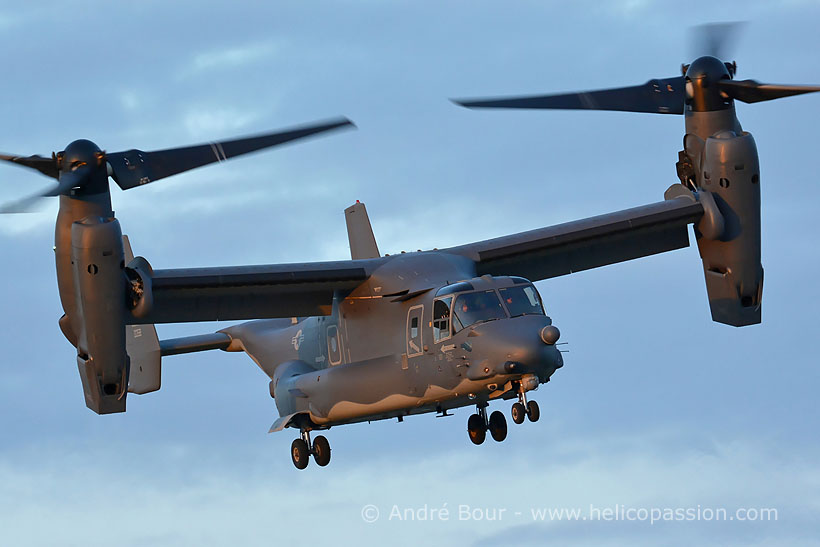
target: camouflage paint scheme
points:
(347, 367)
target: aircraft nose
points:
(538, 357)
(519, 345)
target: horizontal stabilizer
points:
(192, 344)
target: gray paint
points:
(360, 233)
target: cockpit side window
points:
(521, 300)
(475, 307)
(441, 319)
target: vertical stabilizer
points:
(142, 345)
(360, 233)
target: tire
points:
(476, 429)
(533, 412)
(321, 451)
(518, 413)
(498, 426)
(299, 453)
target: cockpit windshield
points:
(474, 307)
(521, 300)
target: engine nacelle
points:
(100, 291)
(730, 171)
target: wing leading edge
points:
(252, 292)
(589, 243)
(289, 290)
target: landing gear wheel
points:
(518, 413)
(533, 412)
(498, 426)
(477, 429)
(321, 451)
(300, 453)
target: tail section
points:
(360, 233)
(142, 346)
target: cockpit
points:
(460, 305)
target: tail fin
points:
(360, 233)
(142, 346)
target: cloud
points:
(231, 57)
(191, 464)
(16, 224)
(210, 120)
(175, 493)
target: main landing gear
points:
(478, 424)
(301, 450)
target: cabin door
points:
(415, 344)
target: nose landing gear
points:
(301, 450)
(524, 408)
(478, 424)
(518, 413)
(533, 412)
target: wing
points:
(588, 243)
(251, 292)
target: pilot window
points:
(441, 319)
(414, 327)
(521, 300)
(476, 307)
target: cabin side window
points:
(441, 319)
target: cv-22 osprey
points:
(378, 337)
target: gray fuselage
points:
(378, 355)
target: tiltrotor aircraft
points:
(379, 337)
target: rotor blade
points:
(67, 182)
(26, 205)
(655, 96)
(46, 166)
(22, 206)
(750, 91)
(135, 167)
(715, 39)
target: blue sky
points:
(656, 407)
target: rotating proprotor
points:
(719, 164)
(95, 283)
